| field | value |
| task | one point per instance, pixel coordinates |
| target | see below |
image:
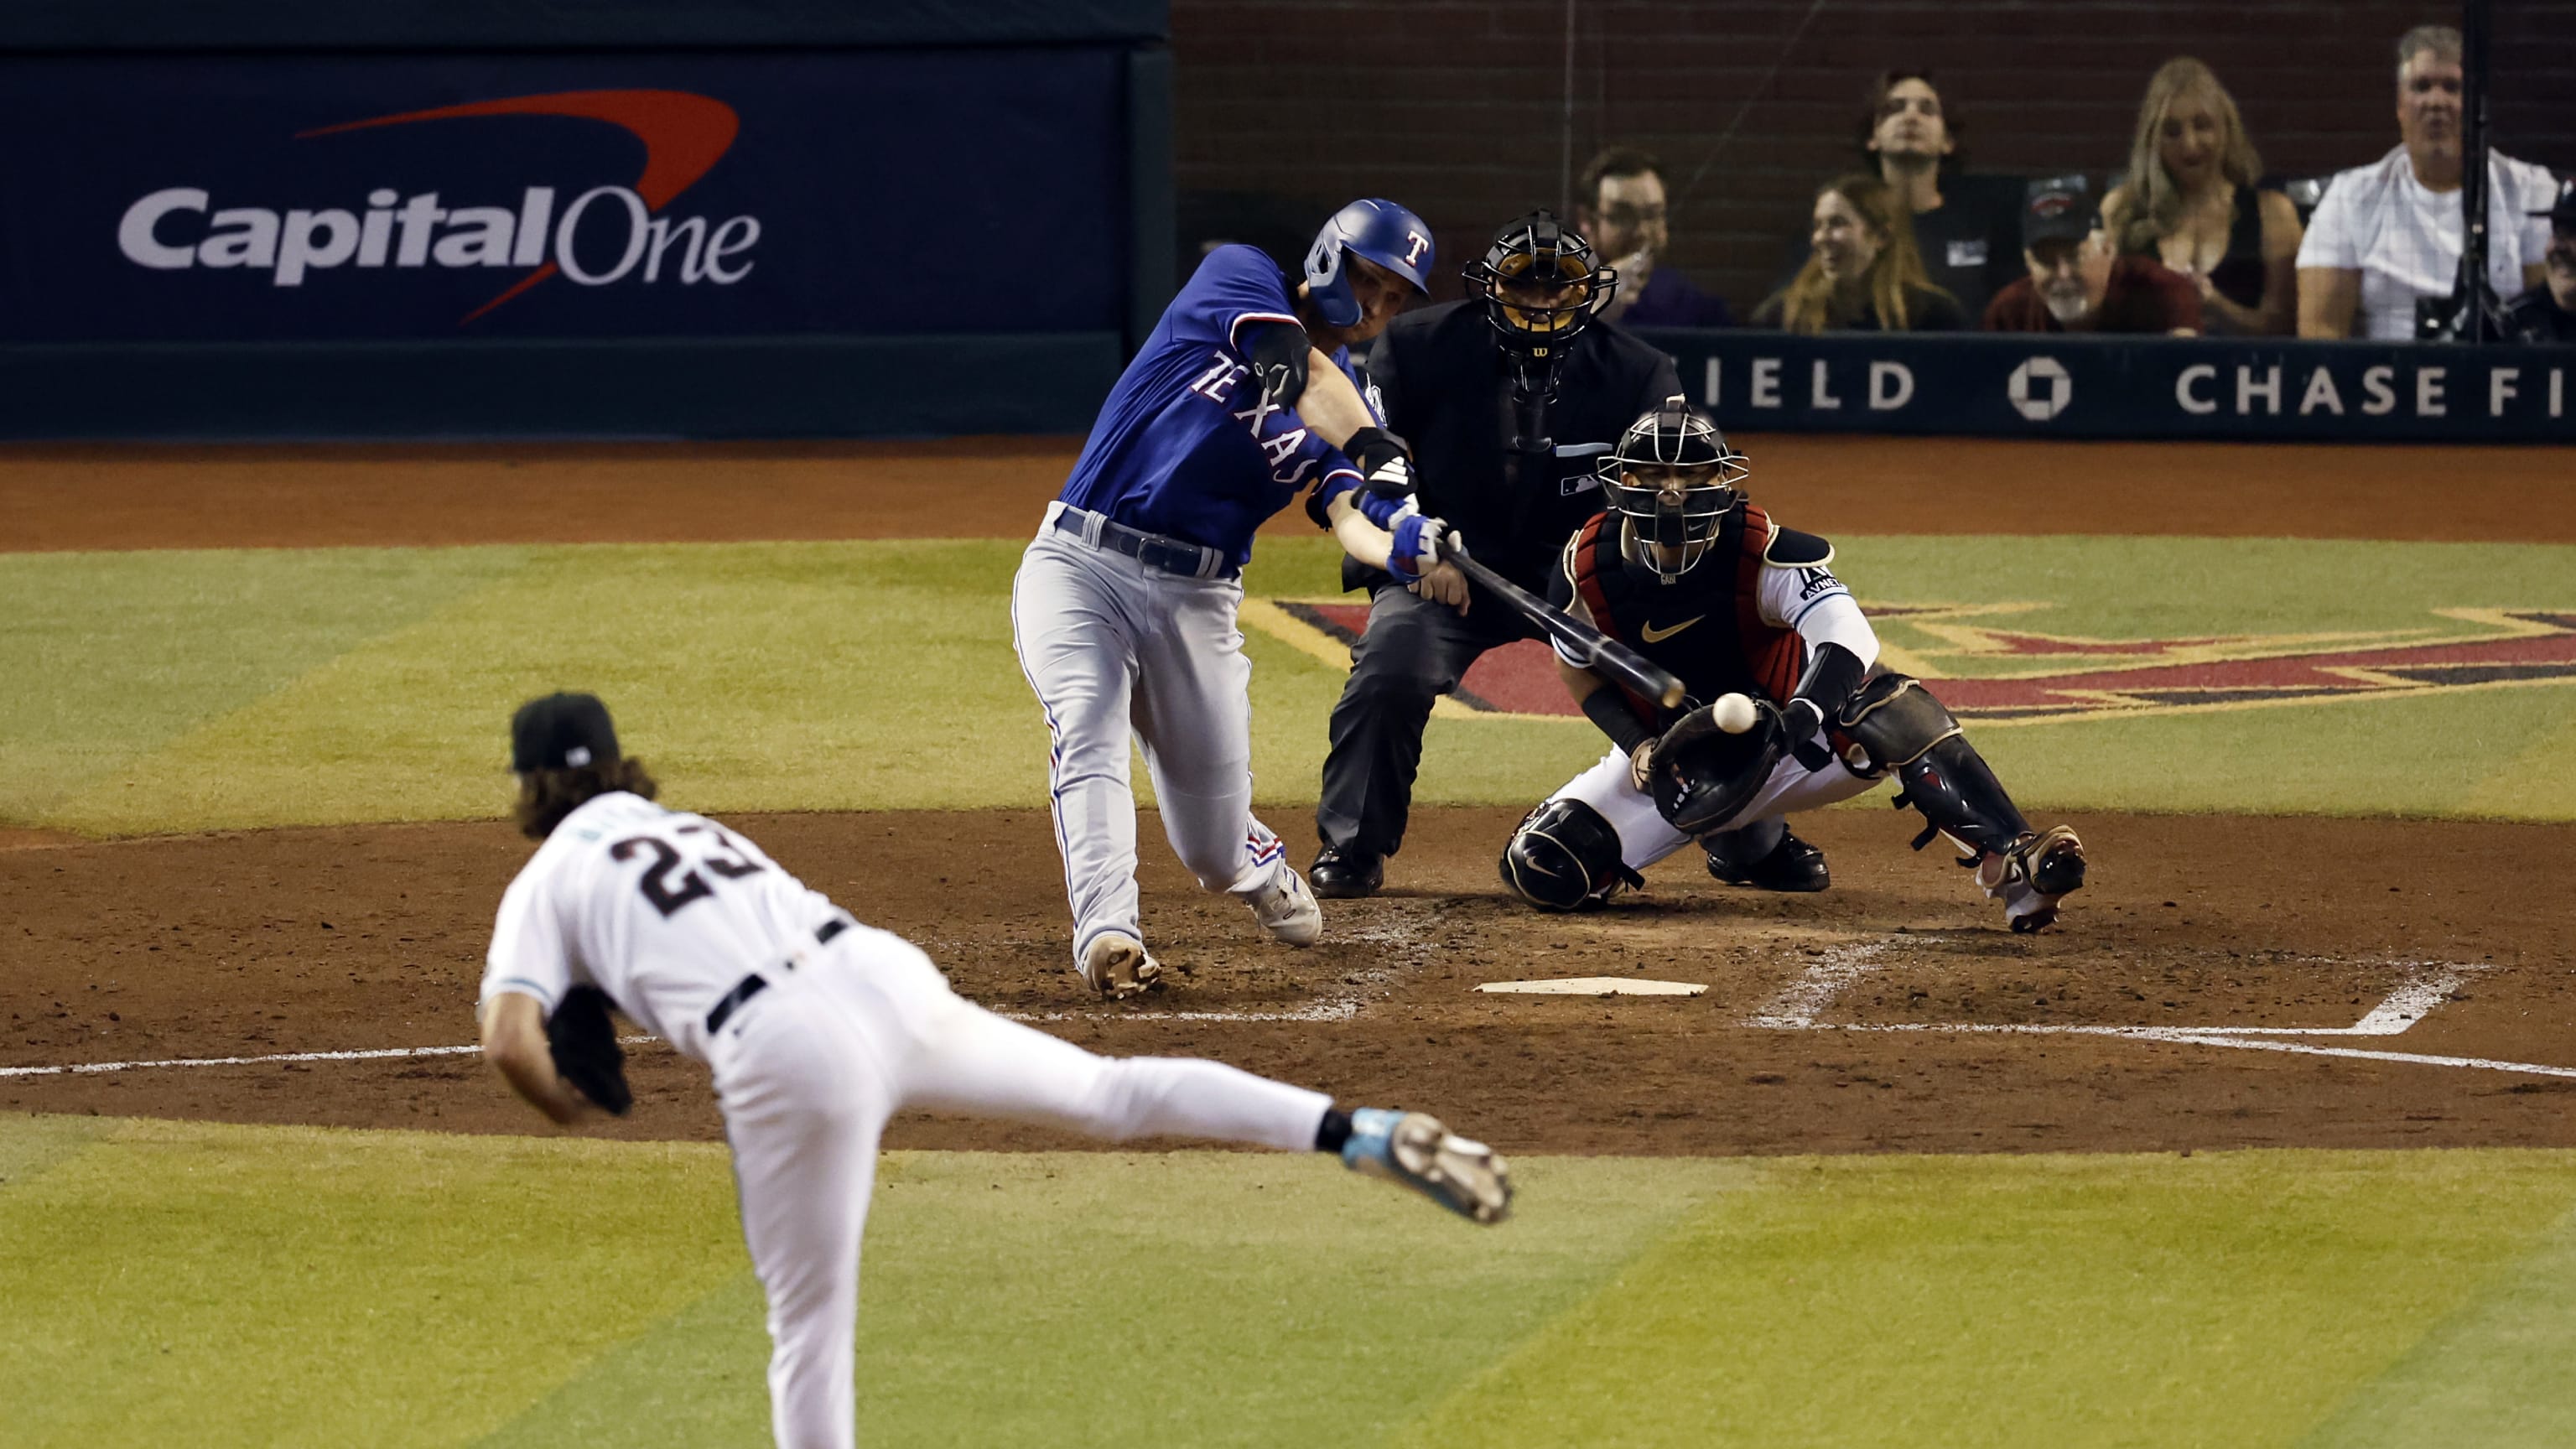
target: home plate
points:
(1593, 986)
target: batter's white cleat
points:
(1464, 1176)
(2032, 875)
(1118, 966)
(1286, 908)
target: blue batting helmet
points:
(1381, 231)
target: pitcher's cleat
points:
(1117, 966)
(2032, 874)
(1463, 1176)
(1286, 908)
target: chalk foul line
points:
(2427, 985)
(368, 1055)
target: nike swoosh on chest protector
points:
(1653, 635)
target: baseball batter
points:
(1123, 612)
(1686, 570)
(818, 1029)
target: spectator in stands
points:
(2077, 285)
(1964, 226)
(2547, 313)
(2387, 236)
(1862, 273)
(2191, 201)
(1622, 208)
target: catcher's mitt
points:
(584, 1043)
(1701, 774)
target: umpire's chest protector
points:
(1447, 388)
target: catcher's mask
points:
(1674, 479)
(1539, 283)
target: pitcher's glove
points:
(584, 1043)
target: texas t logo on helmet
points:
(1381, 231)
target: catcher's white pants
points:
(1646, 837)
(807, 1073)
(1112, 646)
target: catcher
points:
(1683, 568)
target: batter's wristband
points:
(1607, 708)
(1386, 511)
(1371, 446)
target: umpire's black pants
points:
(1415, 650)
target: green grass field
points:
(182, 1283)
(181, 691)
(170, 1283)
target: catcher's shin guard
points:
(1898, 724)
(1954, 790)
(1564, 857)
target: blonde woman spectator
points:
(2386, 237)
(2190, 201)
(1862, 273)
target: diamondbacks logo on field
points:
(2000, 675)
(630, 238)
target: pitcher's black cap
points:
(561, 731)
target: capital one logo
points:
(2040, 389)
(180, 227)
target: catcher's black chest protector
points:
(1706, 626)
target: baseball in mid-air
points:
(1733, 713)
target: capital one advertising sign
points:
(230, 199)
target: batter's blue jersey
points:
(1175, 450)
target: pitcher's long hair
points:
(547, 796)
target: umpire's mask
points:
(1673, 479)
(1540, 284)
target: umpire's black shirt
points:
(1441, 375)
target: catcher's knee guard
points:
(1565, 856)
(1898, 725)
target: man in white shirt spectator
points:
(2388, 234)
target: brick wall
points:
(1459, 108)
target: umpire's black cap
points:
(561, 731)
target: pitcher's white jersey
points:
(663, 910)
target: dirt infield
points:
(2237, 956)
(363, 938)
(273, 497)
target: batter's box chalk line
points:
(2425, 985)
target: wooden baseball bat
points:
(1598, 652)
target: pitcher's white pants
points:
(1646, 837)
(807, 1073)
(1112, 646)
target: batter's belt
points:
(1153, 550)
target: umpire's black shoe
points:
(1792, 865)
(1346, 875)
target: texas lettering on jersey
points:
(1217, 385)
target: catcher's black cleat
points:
(2031, 875)
(1346, 875)
(1792, 865)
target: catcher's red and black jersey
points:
(1707, 626)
